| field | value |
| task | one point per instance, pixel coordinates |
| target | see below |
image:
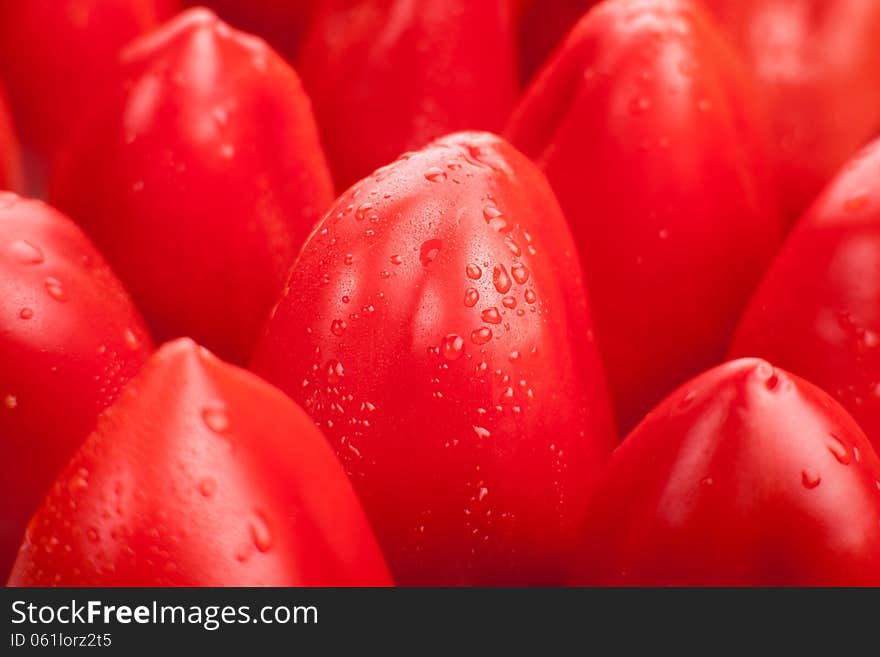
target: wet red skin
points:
(387, 76)
(817, 311)
(55, 55)
(745, 476)
(542, 26)
(652, 144)
(70, 338)
(281, 22)
(199, 178)
(473, 454)
(816, 65)
(201, 475)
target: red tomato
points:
(70, 338)
(10, 158)
(817, 312)
(201, 475)
(817, 65)
(542, 25)
(747, 475)
(388, 76)
(435, 328)
(55, 55)
(282, 22)
(647, 130)
(199, 178)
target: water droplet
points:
(26, 313)
(687, 399)
(857, 455)
(452, 347)
(520, 273)
(810, 478)
(482, 494)
(509, 302)
(215, 418)
(530, 296)
(131, 340)
(55, 289)
(482, 432)
(499, 225)
(10, 402)
(471, 296)
(435, 174)
(514, 356)
(208, 486)
(362, 210)
(473, 271)
(396, 260)
(260, 531)
(338, 326)
(227, 151)
(495, 219)
(767, 373)
(490, 212)
(838, 449)
(335, 372)
(92, 535)
(79, 481)
(26, 252)
(491, 316)
(481, 335)
(429, 251)
(512, 246)
(501, 279)
(663, 233)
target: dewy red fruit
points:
(436, 329)
(746, 475)
(817, 311)
(816, 64)
(70, 338)
(10, 157)
(201, 475)
(388, 76)
(55, 55)
(647, 128)
(199, 178)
